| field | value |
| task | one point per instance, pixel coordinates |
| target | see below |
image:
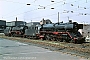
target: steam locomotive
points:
(15, 31)
(67, 32)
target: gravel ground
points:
(82, 50)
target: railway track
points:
(82, 50)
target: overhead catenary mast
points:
(58, 17)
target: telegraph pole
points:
(68, 18)
(86, 1)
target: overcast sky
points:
(76, 10)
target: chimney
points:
(70, 21)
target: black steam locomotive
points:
(15, 28)
(15, 31)
(67, 32)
